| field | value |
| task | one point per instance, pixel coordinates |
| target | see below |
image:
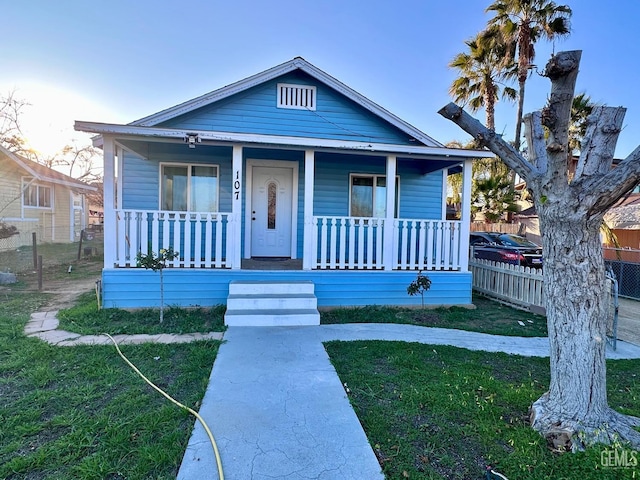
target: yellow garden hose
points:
(190, 410)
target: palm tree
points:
(581, 108)
(481, 74)
(520, 24)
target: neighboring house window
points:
(37, 196)
(189, 188)
(369, 196)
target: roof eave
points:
(141, 132)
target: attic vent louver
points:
(300, 97)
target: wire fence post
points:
(35, 250)
(80, 244)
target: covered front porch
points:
(413, 236)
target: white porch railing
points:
(203, 239)
(358, 243)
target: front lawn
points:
(438, 412)
(80, 412)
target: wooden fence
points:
(513, 284)
(515, 228)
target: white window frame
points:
(28, 184)
(188, 167)
(375, 177)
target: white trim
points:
(444, 194)
(295, 166)
(465, 216)
(309, 241)
(237, 173)
(375, 176)
(38, 184)
(161, 165)
(389, 255)
(119, 168)
(135, 132)
(17, 219)
(110, 224)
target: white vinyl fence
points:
(519, 286)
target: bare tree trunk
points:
(576, 319)
(574, 412)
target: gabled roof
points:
(297, 63)
(44, 174)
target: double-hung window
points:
(189, 188)
(39, 196)
(368, 196)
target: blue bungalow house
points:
(288, 176)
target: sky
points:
(121, 60)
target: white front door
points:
(271, 211)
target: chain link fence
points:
(31, 258)
(624, 263)
(612, 310)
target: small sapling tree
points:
(420, 285)
(157, 263)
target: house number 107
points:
(236, 185)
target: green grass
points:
(85, 318)
(436, 412)
(488, 317)
(80, 412)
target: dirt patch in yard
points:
(63, 285)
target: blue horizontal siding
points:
(255, 111)
(420, 194)
(137, 288)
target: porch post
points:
(309, 252)
(465, 215)
(110, 227)
(236, 209)
(390, 248)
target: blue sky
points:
(121, 60)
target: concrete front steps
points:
(271, 303)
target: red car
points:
(506, 248)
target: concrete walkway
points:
(277, 409)
(44, 325)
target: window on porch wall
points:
(369, 196)
(189, 188)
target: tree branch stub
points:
(490, 139)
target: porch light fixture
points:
(191, 139)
